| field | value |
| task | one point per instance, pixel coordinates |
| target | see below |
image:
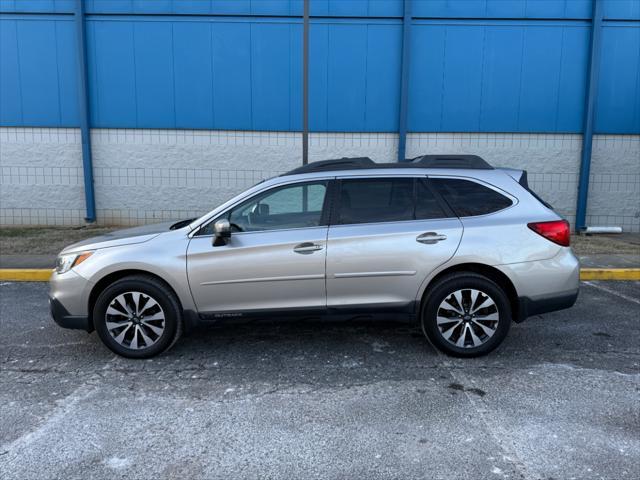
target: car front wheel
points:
(138, 317)
(466, 315)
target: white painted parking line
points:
(612, 292)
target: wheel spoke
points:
(458, 296)
(112, 311)
(440, 319)
(121, 301)
(474, 297)
(149, 304)
(116, 325)
(155, 316)
(134, 340)
(487, 303)
(490, 317)
(449, 331)
(144, 304)
(447, 305)
(487, 330)
(145, 337)
(157, 330)
(462, 337)
(474, 338)
(136, 302)
(120, 337)
(117, 306)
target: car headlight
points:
(64, 263)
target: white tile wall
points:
(553, 163)
(142, 176)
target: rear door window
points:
(468, 198)
(369, 200)
(427, 205)
(375, 200)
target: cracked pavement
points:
(311, 399)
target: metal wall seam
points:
(404, 81)
(83, 110)
(589, 115)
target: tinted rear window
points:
(427, 206)
(387, 200)
(376, 200)
(468, 199)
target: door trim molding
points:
(318, 276)
(399, 273)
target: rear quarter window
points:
(469, 199)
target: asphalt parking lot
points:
(307, 399)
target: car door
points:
(274, 259)
(387, 235)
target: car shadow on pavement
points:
(599, 331)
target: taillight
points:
(557, 231)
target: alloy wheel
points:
(467, 318)
(135, 320)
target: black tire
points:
(158, 291)
(442, 290)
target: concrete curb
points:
(610, 274)
(43, 274)
(25, 274)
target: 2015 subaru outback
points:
(457, 245)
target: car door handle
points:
(307, 247)
(429, 238)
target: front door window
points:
(292, 206)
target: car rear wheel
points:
(138, 317)
(466, 315)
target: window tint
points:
(376, 200)
(387, 200)
(468, 198)
(294, 206)
(427, 206)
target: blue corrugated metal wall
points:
(476, 65)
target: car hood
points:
(117, 238)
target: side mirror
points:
(222, 231)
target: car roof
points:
(457, 162)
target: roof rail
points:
(425, 161)
(473, 162)
(344, 163)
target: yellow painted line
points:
(25, 274)
(610, 274)
(43, 274)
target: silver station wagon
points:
(448, 241)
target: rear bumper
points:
(62, 317)
(528, 307)
(544, 286)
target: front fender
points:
(163, 256)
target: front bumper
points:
(69, 300)
(62, 317)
